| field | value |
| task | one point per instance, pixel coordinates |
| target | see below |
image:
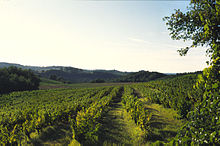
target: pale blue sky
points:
(121, 35)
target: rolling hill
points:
(76, 75)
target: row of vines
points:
(185, 95)
(177, 93)
(136, 109)
(86, 128)
(22, 113)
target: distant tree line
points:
(186, 73)
(141, 76)
(78, 76)
(58, 78)
(98, 81)
(17, 79)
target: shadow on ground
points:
(118, 128)
(53, 135)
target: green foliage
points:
(88, 121)
(201, 25)
(98, 81)
(204, 123)
(141, 76)
(176, 93)
(15, 79)
(22, 113)
(135, 108)
(45, 81)
(74, 75)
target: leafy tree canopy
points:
(201, 25)
(16, 79)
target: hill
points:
(69, 74)
(79, 76)
(76, 75)
(141, 76)
(34, 68)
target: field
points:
(51, 84)
(88, 114)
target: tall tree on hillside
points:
(201, 25)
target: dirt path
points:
(119, 128)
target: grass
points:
(45, 81)
(164, 123)
(53, 135)
(119, 128)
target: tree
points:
(201, 25)
(53, 77)
(16, 79)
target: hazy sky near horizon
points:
(122, 35)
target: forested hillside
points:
(141, 76)
(76, 75)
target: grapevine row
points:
(38, 109)
(88, 121)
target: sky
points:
(94, 34)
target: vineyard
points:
(142, 113)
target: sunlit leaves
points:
(22, 113)
(199, 24)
